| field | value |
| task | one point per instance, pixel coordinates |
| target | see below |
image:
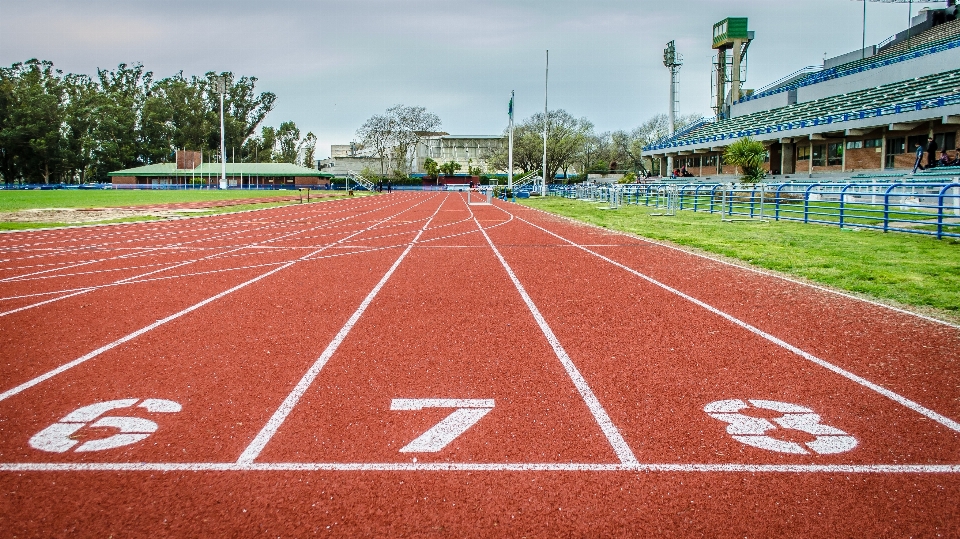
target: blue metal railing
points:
(929, 208)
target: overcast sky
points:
(334, 63)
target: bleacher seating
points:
(935, 90)
(941, 37)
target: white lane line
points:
(764, 272)
(67, 366)
(188, 262)
(899, 399)
(478, 467)
(273, 424)
(620, 447)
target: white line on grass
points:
(613, 435)
(477, 467)
(67, 366)
(916, 407)
(273, 424)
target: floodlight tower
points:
(672, 61)
(730, 33)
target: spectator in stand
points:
(931, 153)
(944, 159)
(956, 158)
(916, 164)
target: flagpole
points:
(546, 80)
(510, 150)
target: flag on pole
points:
(510, 110)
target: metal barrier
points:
(929, 208)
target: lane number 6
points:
(57, 438)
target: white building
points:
(468, 150)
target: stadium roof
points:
(912, 100)
(213, 169)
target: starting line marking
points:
(475, 467)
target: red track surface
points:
(298, 341)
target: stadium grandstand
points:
(864, 111)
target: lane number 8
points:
(752, 430)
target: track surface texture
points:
(415, 365)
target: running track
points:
(409, 364)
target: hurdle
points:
(671, 198)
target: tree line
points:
(73, 128)
(573, 145)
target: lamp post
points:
(220, 85)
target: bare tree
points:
(411, 125)
(377, 134)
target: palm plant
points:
(748, 155)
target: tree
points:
(748, 155)
(34, 113)
(308, 149)
(566, 137)
(450, 168)
(377, 134)
(397, 134)
(432, 168)
(409, 126)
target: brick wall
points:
(864, 159)
(126, 180)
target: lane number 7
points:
(467, 413)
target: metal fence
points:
(931, 208)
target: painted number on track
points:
(58, 438)
(467, 413)
(752, 430)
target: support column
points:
(787, 158)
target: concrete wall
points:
(918, 67)
(769, 102)
(850, 57)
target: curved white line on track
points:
(478, 467)
(82, 359)
(899, 399)
(188, 262)
(286, 407)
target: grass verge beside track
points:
(898, 268)
(14, 200)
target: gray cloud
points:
(335, 63)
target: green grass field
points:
(906, 269)
(14, 200)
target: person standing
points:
(931, 152)
(916, 164)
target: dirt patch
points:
(75, 215)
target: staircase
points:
(362, 181)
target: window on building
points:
(873, 143)
(945, 141)
(895, 147)
(819, 155)
(803, 153)
(914, 140)
(835, 154)
(854, 144)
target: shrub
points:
(748, 155)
